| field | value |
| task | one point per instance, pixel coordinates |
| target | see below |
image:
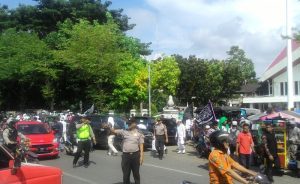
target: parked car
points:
(171, 128)
(97, 122)
(145, 124)
(148, 137)
(146, 121)
(12, 171)
(42, 139)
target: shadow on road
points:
(204, 166)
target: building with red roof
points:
(273, 91)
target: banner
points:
(206, 114)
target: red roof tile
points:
(282, 55)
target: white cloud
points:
(208, 28)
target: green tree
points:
(23, 60)
(5, 21)
(238, 69)
(44, 17)
(165, 74)
(131, 84)
(192, 79)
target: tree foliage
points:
(214, 80)
(63, 52)
(45, 16)
(23, 60)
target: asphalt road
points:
(173, 169)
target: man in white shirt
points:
(180, 135)
(110, 139)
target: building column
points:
(251, 105)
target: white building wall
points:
(283, 78)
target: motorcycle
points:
(259, 179)
(202, 147)
(70, 146)
(24, 154)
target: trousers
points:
(269, 168)
(160, 143)
(131, 162)
(86, 146)
(244, 160)
(110, 142)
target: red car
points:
(13, 172)
(42, 139)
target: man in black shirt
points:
(270, 148)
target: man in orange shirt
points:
(244, 146)
(221, 165)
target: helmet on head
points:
(292, 122)
(217, 139)
(12, 123)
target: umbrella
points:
(283, 114)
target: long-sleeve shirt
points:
(270, 143)
(180, 130)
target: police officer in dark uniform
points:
(84, 135)
(133, 152)
(161, 137)
(270, 149)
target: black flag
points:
(206, 114)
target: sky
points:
(208, 28)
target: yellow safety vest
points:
(83, 132)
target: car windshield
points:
(143, 120)
(27, 129)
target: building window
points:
(270, 87)
(297, 87)
(283, 88)
(286, 88)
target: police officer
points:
(84, 135)
(161, 136)
(133, 152)
(10, 135)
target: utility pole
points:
(149, 87)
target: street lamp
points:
(149, 88)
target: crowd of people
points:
(241, 147)
(230, 143)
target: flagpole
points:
(212, 110)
